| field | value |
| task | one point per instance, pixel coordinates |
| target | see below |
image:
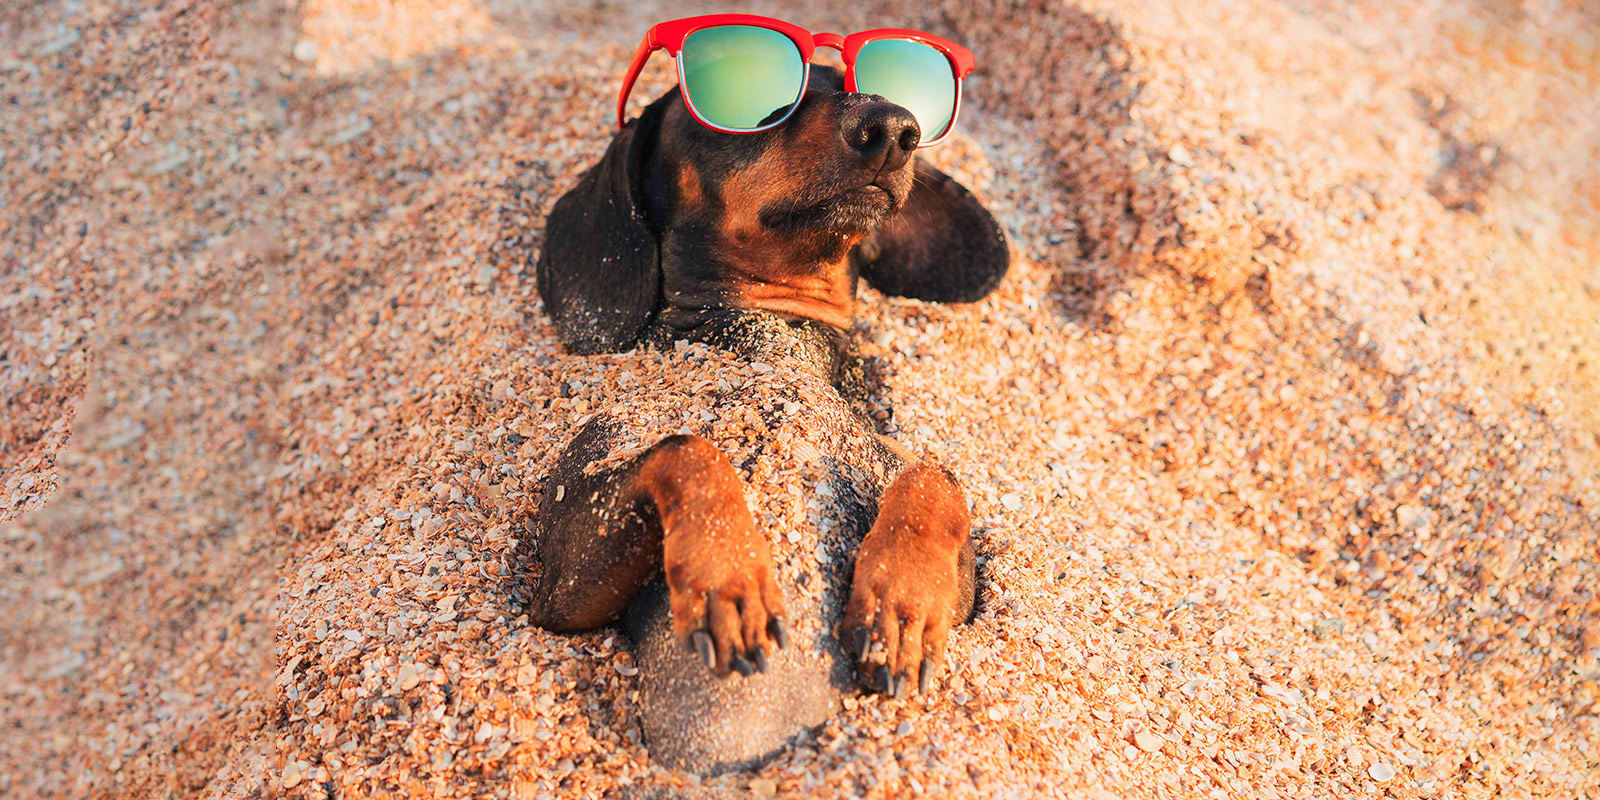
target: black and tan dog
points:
(753, 244)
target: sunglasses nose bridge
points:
(832, 40)
(836, 42)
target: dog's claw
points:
(925, 677)
(863, 637)
(779, 631)
(760, 656)
(702, 645)
(741, 666)
(885, 680)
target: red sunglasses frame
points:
(671, 35)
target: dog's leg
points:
(602, 537)
(718, 593)
(718, 567)
(680, 508)
(914, 578)
(598, 540)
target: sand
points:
(1280, 437)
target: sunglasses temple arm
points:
(640, 56)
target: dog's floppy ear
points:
(943, 246)
(599, 272)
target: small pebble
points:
(293, 773)
(409, 676)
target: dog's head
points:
(676, 213)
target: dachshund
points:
(752, 244)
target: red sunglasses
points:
(741, 73)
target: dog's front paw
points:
(902, 604)
(725, 602)
(907, 589)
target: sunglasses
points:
(740, 73)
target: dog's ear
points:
(943, 246)
(599, 273)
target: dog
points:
(753, 244)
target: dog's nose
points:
(882, 134)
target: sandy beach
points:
(1281, 437)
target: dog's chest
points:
(761, 337)
(812, 471)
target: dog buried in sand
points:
(738, 211)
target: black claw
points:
(702, 645)
(863, 637)
(741, 666)
(885, 680)
(779, 631)
(760, 655)
(901, 685)
(925, 677)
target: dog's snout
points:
(882, 134)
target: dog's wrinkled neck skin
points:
(766, 221)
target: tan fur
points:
(906, 588)
(716, 562)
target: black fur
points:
(599, 273)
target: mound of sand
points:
(1280, 437)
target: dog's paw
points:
(907, 587)
(902, 604)
(725, 602)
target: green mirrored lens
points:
(912, 75)
(737, 76)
